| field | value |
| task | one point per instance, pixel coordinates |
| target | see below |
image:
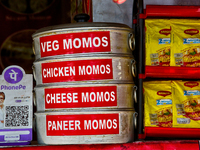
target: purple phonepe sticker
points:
(13, 75)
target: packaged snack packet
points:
(158, 103)
(186, 104)
(158, 42)
(185, 38)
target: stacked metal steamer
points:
(84, 90)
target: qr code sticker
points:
(16, 116)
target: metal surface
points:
(104, 69)
(84, 96)
(109, 11)
(79, 39)
(89, 127)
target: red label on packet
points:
(81, 97)
(81, 70)
(72, 43)
(191, 84)
(165, 31)
(86, 124)
(164, 93)
(191, 31)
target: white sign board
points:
(16, 110)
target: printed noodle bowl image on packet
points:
(185, 49)
(186, 104)
(158, 103)
(158, 42)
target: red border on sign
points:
(76, 97)
(81, 70)
(74, 43)
(86, 124)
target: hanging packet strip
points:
(158, 103)
(158, 42)
(185, 49)
(186, 104)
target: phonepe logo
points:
(13, 74)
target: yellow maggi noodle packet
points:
(157, 42)
(185, 38)
(186, 104)
(157, 103)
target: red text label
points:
(72, 43)
(102, 96)
(86, 124)
(81, 70)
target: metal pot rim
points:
(82, 25)
(84, 56)
(86, 111)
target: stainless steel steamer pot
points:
(89, 127)
(91, 69)
(85, 96)
(84, 83)
(81, 39)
